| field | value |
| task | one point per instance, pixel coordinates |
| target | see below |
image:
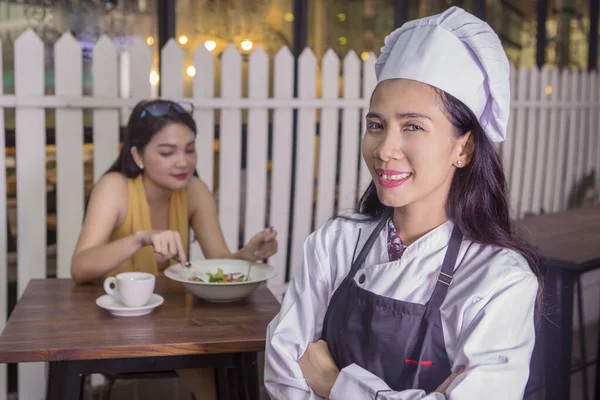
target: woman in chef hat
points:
(426, 293)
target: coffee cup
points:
(133, 289)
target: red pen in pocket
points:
(426, 363)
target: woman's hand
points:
(166, 243)
(261, 246)
(444, 386)
(318, 368)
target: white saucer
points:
(117, 308)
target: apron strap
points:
(362, 256)
(356, 247)
(444, 280)
(445, 277)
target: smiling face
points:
(409, 144)
(170, 157)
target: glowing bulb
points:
(342, 40)
(183, 39)
(191, 70)
(548, 90)
(246, 45)
(150, 40)
(341, 17)
(210, 45)
(364, 55)
(288, 16)
(154, 78)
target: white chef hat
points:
(458, 53)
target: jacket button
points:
(362, 278)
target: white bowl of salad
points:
(221, 281)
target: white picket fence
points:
(553, 142)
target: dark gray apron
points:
(400, 342)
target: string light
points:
(191, 71)
(247, 45)
(154, 78)
(210, 45)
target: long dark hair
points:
(140, 131)
(478, 199)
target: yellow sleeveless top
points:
(138, 218)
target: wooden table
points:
(58, 322)
(569, 243)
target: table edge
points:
(142, 351)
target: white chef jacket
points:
(487, 315)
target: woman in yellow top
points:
(139, 212)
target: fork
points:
(248, 274)
(187, 263)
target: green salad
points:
(221, 277)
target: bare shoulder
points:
(197, 194)
(105, 212)
(111, 191)
(113, 185)
(197, 185)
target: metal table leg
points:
(64, 381)
(557, 328)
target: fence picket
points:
(368, 86)
(105, 122)
(255, 182)
(518, 144)
(541, 147)
(281, 171)
(305, 157)
(171, 69)
(573, 158)
(351, 134)
(69, 153)
(507, 148)
(203, 88)
(583, 129)
(561, 154)
(140, 66)
(230, 149)
(328, 141)
(592, 127)
(531, 141)
(31, 190)
(551, 168)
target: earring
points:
(459, 163)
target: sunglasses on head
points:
(163, 108)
